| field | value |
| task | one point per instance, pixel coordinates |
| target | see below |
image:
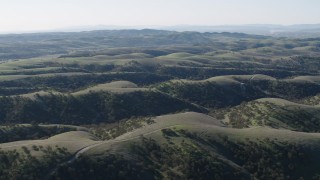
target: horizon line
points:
(77, 28)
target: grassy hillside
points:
(224, 91)
(115, 87)
(275, 113)
(177, 145)
(152, 104)
(92, 107)
(187, 145)
(28, 132)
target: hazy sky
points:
(24, 15)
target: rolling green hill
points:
(224, 91)
(152, 104)
(187, 145)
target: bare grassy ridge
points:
(11, 133)
(114, 87)
(73, 141)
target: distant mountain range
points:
(300, 30)
(296, 31)
(274, 30)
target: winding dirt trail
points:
(87, 148)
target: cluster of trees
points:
(154, 161)
(192, 72)
(269, 114)
(292, 90)
(262, 158)
(105, 167)
(23, 165)
(25, 132)
(130, 66)
(111, 130)
(313, 100)
(89, 108)
(183, 160)
(190, 157)
(74, 83)
(213, 95)
(308, 63)
(300, 119)
(269, 158)
(252, 113)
